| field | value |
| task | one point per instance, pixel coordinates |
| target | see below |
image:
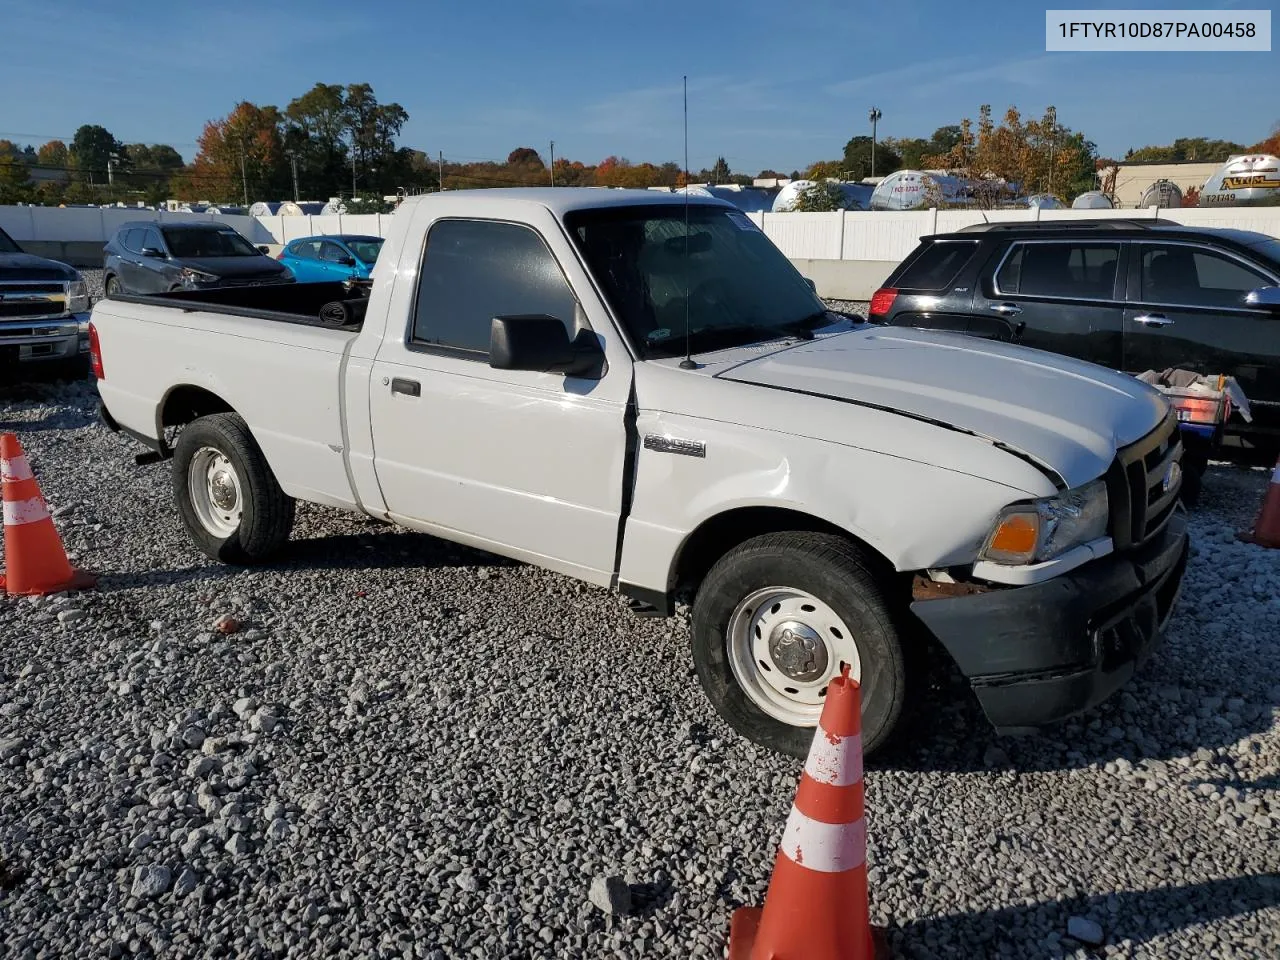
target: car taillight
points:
(95, 353)
(280, 255)
(882, 301)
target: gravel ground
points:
(410, 749)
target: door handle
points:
(410, 388)
(1153, 320)
(1006, 309)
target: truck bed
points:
(298, 303)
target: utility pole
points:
(874, 117)
(553, 163)
(353, 171)
(440, 168)
(244, 177)
(1053, 139)
(293, 163)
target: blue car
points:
(329, 258)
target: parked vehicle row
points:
(647, 396)
(1128, 295)
(44, 311)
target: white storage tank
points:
(1162, 193)
(785, 201)
(1092, 200)
(917, 190)
(1044, 201)
(265, 208)
(1248, 180)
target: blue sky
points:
(768, 86)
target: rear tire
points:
(230, 501)
(815, 587)
(111, 287)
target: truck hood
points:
(1068, 416)
(23, 266)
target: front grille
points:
(36, 286)
(1141, 503)
(250, 281)
(31, 308)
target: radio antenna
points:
(687, 363)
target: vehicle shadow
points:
(393, 550)
(947, 732)
(1132, 917)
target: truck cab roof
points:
(562, 200)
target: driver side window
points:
(475, 270)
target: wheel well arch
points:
(186, 402)
(719, 534)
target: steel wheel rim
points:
(215, 491)
(785, 646)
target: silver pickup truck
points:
(44, 311)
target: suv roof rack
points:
(1098, 224)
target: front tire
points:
(772, 623)
(230, 501)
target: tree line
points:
(336, 141)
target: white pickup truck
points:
(650, 398)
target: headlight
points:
(77, 295)
(1040, 530)
(197, 276)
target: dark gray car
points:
(148, 257)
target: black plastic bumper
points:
(1040, 653)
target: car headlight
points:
(198, 276)
(77, 295)
(1040, 530)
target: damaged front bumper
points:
(1040, 653)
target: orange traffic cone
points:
(816, 907)
(1266, 529)
(35, 562)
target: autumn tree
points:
(54, 155)
(1270, 145)
(824, 170)
(241, 157)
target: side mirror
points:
(540, 343)
(264, 250)
(347, 261)
(1265, 298)
(153, 252)
(812, 285)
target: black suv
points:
(1130, 295)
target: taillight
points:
(280, 255)
(882, 301)
(95, 353)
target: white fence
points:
(891, 235)
(886, 236)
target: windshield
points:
(7, 245)
(734, 286)
(188, 242)
(366, 250)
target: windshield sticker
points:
(742, 221)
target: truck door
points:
(529, 465)
(1059, 295)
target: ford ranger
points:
(647, 396)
